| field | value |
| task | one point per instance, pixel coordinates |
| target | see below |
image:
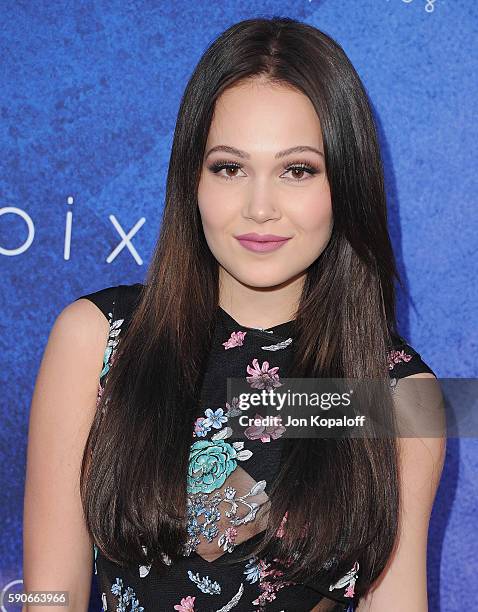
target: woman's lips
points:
(263, 245)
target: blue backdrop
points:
(88, 100)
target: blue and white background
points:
(89, 92)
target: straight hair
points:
(134, 468)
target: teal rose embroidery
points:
(210, 463)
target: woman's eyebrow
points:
(244, 155)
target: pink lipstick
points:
(261, 242)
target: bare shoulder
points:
(421, 416)
(71, 361)
(423, 455)
(421, 458)
(83, 320)
(68, 377)
(57, 546)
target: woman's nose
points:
(261, 204)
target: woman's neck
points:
(262, 307)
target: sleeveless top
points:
(227, 484)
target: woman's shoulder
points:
(404, 359)
(115, 301)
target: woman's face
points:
(250, 183)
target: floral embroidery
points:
(108, 358)
(109, 354)
(214, 418)
(268, 587)
(144, 570)
(200, 430)
(230, 496)
(253, 570)
(186, 605)
(236, 339)
(227, 540)
(100, 393)
(233, 409)
(395, 356)
(278, 346)
(280, 531)
(347, 581)
(201, 506)
(125, 598)
(234, 601)
(263, 433)
(210, 463)
(206, 585)
(262, 377)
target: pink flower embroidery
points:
(348, 581)
(233, 407)
(263, 433)
(397, 357)
(186, 605)
(236, 339)
(280, 531)
(262, 377)
(269, 588)
(227, 539)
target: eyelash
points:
(219, 165)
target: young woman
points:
(273, 261)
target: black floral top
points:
(228, 484)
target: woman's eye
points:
(297, 170)
(231, 168)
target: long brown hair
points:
(133, 474)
